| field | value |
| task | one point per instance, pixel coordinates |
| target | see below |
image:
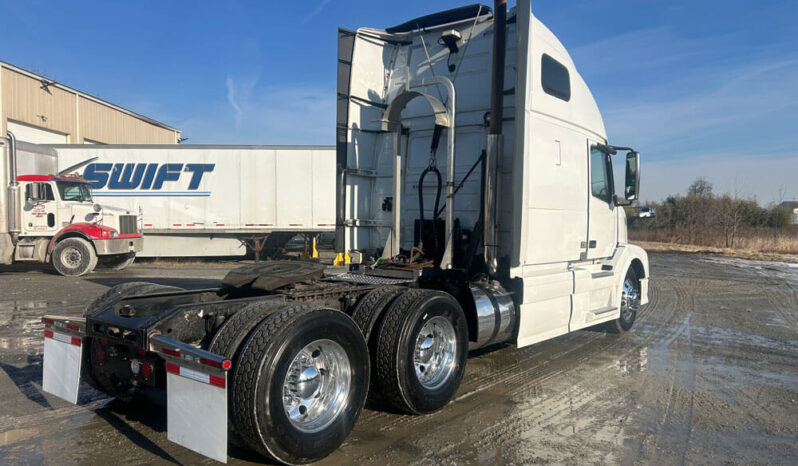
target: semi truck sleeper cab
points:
(471, 219)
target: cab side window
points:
(48, 192)
(599, 176)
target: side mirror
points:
(37, 192)
(632, 184)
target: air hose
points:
(431, 168)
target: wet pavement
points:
(709, 374)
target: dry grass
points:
(760, 240)
(759, 244)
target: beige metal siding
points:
(104, 124)
(74, 113)
(26, 102)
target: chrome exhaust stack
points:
(495, 138)
(14, 223)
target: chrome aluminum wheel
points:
(630, 300)
(71, 257)
(317, 385)
(435, 353)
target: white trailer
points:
(205, 200)
(532, 245)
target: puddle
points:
(639, 363)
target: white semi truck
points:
(206, 200)
(50, 217)
(475, 198)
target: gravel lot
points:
(709, 374)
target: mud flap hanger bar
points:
(189, 357)
(196, 396)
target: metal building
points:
(39, 110)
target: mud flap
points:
(63, 354)
(196, 397)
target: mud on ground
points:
(709, 374)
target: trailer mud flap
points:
(63, 354)
(196, 397)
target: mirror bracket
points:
(619, 201)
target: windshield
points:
(74, 191)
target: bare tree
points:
(698, 207)
(701, 187)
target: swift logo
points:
(143, 176)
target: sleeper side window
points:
(555, 78)
(599, 178)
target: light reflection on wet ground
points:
(709, 374)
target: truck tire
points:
(97, 379)
(227, 340)
(300, 383)
(117, 261)
(629, 305)
(421, 351)
(74, 257)
(368, 316)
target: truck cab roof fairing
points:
(441, 17)
(581, 110)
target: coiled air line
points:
(431, 168)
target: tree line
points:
(702, 217)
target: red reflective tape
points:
(294, 224)
(48, 334)
(189, 224)
(217, 381)
(265, 224)
(73, 327)
(173, 368)
(211, 363)
(170, 352)
(177, 224)
(142, 352)
(47, 321)
(220, 224)
(148, 224)
(76, 341)
(103, 341)
(249, 224)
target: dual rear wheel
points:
(301, 373)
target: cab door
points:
(602, 232)
(39, 217)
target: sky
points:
(700, 88)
